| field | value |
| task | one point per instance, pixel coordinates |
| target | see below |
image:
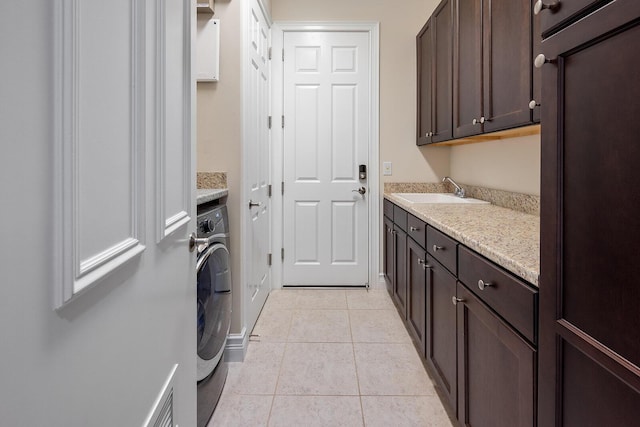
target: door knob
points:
(540, 6)
(195, 242)
(533, 104)
(455, 300)
(360, 190)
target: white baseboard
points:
(236, 348)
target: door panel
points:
(425, 88)
(467, 68)
(96, 90)
(326, 137)
(258, 161)
(507, 63)
(443, 71)
(416, 284)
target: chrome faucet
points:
(459, 190)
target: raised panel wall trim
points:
(72, 273)
(169, 222)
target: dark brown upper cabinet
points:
(589, 228)
(492, 66)
(435, 56)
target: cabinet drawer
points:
(568, 11)
(442, 248)
(417, 230)
(388, 209)
(508, 296)
(400, 217)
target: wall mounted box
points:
(208, 49)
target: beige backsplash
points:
(213, 180)
(525, 203)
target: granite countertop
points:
(509, 238)
(208, 194)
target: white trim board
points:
(277, 93)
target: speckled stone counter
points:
(509, 238)
(208, 194)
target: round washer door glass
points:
(214, 306)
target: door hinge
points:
(282, 188)
(269, 260)
(269, 190)
(283, 121)
(269, 53)
(282, 254)
(269, 122)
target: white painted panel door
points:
(326, 137)
(258, 161)
(98, 318)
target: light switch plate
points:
(386, 168)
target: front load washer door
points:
(214, 307)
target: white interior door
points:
(327, 108)
(98, 321)
(258, 163)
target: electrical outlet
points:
(386, 168)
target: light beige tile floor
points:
(329, 358)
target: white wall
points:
(510, 164)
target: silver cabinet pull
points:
(195, 241)
(360, 190)
(426, 266)
(533, 104)
(540, 6)
(413, 229)
(482, 284)
(420, 261)
(437, 248)
(541, 60)
(475, 122)
(252, 204)
(455, 300)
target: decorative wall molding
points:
(169, 222)
(73, 271)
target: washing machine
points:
(213, 307)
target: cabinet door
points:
(416, 285)
(425, 91)
(467, 68)
(589, 292)
(506, 63)
(388, 266)
(400, 271)
(441, 328)
(442, 84)
(495, 369)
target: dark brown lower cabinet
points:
(400, 272)
(388, 266)
(589, 290)
(416, 284)
(496, 368)
(441, 328)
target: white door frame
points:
(277, 98)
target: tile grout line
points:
(355, 363)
